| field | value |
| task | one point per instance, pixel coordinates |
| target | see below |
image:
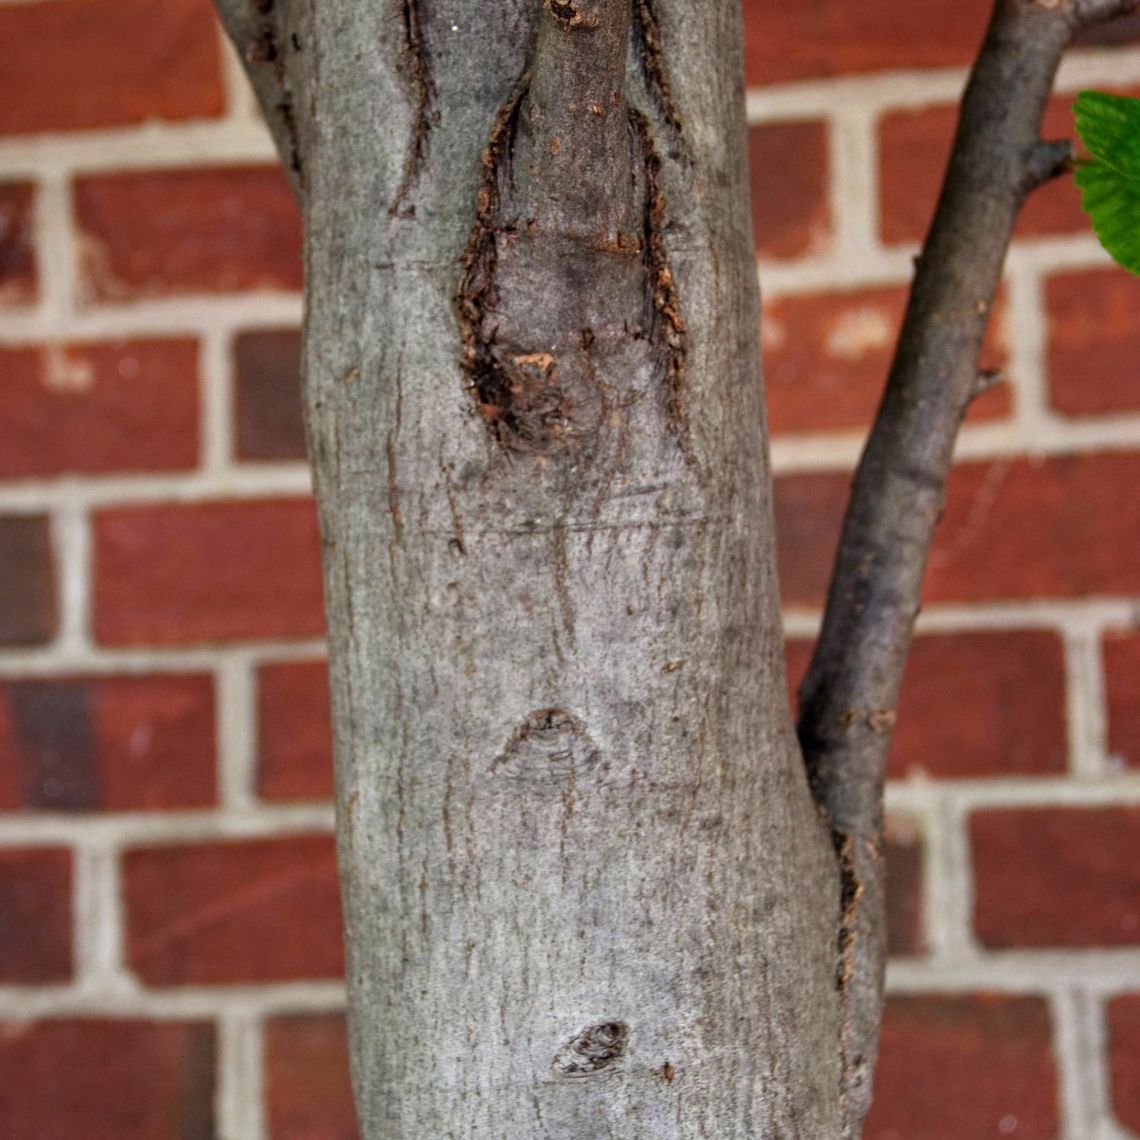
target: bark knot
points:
(593, 1050)
(551, 745)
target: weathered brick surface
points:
(1122, 682)
(785, 42)
(173, 574)
(75, 64)
(99, 408)
(307, 1090)
(147, 1080)
(267, 399)
(827, 355)
(789, 164)
(965, 1068)
(27, 580)
(107, 743)
(1094, 342)
(1056, 527)
(18, 274)
(35, 918)
(904, 856)
(1123, 1016)
(262, 910)
(913, 149)
(990, 703)
(157, 233)
(294, 732)
(1057, 876)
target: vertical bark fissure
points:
(667, 326)
(416, 66)
(651, 55)
(848, 698)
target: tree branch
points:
(258, 32)
(847, 701)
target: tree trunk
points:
(586, 889)
(585, 884)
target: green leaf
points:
(1109, 125)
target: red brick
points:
(1122, 681)
(264, 910)
(268, 395)
(788, 162)
(1121, 30)
(307, 1088)
(903, 851)
(965, 1068)
(107, 743)
(1056, 527)
(913, 149)
(826, 358)
(174, 574)
(1057, 876)
(157, 233)
(27, 580)
(784, 42)
(147, 1080)
(1124, 1058)
(294, 732)
(1094, 342)
(1011, 684)
(35, 917)
(99, 408)
(17, 243)
(76, 64)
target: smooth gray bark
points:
(586, 888)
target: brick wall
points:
(169, 948)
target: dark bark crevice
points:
(416, 67)
(650, 52)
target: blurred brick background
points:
(169, 942)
